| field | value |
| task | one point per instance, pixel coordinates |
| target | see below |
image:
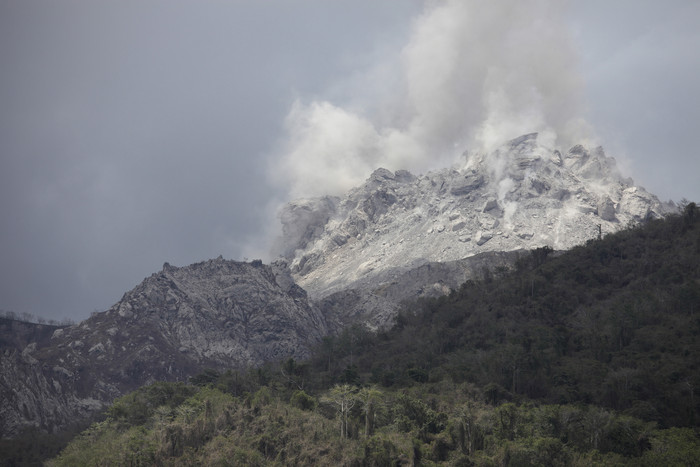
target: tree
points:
(507, 418)
(208, 376)
(369, 397)
(470, 435)
(596, 421)
(302, 400)
(343, 396)
(294, 373)
(690, 214)
(539, 255)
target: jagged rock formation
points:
(218, 314)
(521, 196)
(395, 238)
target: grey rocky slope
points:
(375, 301)
(521, 196)
(397, 237)
(218, 314)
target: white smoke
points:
(473, 75)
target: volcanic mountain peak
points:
(521, 196)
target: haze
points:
(134, 133)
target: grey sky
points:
(134, 133)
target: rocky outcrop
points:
(224, 312)
(395, 238)
(215, 314)
(375, 301)
(521, 196)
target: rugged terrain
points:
(350, 250)
(375, 301)
(395, 238)
(217, 314)
(587, 357)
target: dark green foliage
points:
(417, 374)
(33, 446)
(236, 383)
(590, 357)
(675, 446)
(427, 425)
(380, 452)
(614, 323)
(302, 400)
(137, 407)
(208, 376)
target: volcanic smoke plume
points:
(472, 75)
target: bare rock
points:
(489, 205)
(214, 314)
(397, 222)
(606, 209)
(466, 184)
(458, 225)
(483, 237)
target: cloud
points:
(330, 149)
(471, 76)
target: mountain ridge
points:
(346, 260)
(519, 197)
(216, 313)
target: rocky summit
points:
(521, 196)
(396, 237)
(214, 314)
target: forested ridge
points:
(613, 323)
(588, 357)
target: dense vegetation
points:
(427, 424)
(583, 358)
(613, 323)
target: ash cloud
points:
(472, 75)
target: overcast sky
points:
(138, 132)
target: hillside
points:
(401, 236)
(216, 313)
(393, 239)
(589, 357)
(614, 322)
(523, 195)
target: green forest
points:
(584, 357)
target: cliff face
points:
(217, 314)
(521, 196)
